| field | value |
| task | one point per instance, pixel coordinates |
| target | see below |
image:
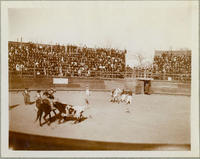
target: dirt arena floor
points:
(152, 118)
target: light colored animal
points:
(75, 111)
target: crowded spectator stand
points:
(39, 60)
(167, 65)
(43, 60)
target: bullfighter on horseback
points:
(49, 95)
(45, 104)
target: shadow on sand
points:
(66, 119)
(13, 106)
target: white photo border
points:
(4, 89)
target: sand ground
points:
(152, 118)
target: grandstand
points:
(32, 59)
(168, 65)
(173, 62)
(42, 60)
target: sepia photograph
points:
(91, 78)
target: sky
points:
(140, 28)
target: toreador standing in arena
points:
(26, 96)
(87, 91)
(129, 97)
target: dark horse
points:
(44, 107)
(61, 108)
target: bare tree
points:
(143, 60)
(140, 58)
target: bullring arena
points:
(158, 118)
(154, 122)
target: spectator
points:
(60, 60)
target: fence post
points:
(34, 71)
(112, 73)
(21, 72)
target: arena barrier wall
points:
(167, 87)
(157, 87)
(21, 141)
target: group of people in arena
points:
(48, 95)
(118, 95)
(46, 103)
(70, 60)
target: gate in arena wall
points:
(143, 85)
